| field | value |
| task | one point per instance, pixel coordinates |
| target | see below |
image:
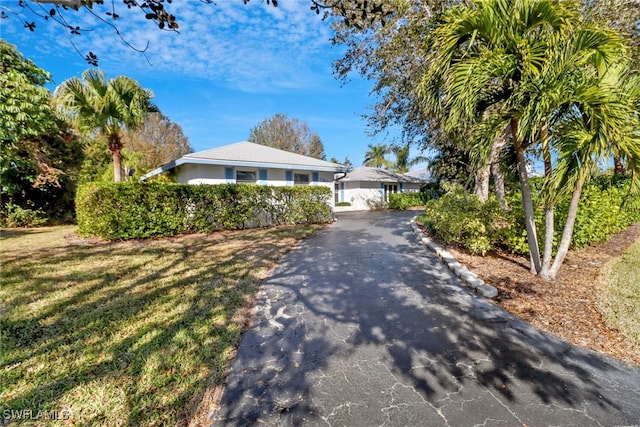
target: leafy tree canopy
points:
(289, 134)
(157, 140)
(39, 154)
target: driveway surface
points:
(362, 326)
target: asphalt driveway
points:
(362, 326)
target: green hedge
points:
(459, 217)
(605, 208)
(141, 210)
(408, 200)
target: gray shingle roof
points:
(423, 174)
(377, 175)
(249, 154)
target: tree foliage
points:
(289, 134)
(555, 81)
(39, 156)
(157, 141)
(550, 73)
(622, 15)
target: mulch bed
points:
(566, 306)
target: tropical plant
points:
(375, 156)
(534, 66)
(96, 105)
(403, 162)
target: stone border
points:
(468, 278)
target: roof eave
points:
(216, 162)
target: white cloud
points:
(253, 47)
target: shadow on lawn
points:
(123, 333)
(349, 309)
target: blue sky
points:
(231, 66)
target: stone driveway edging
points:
(468, 278)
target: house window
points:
(247, 177)
(300, 179)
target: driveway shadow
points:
(361, 325)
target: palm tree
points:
(375, 157)
(530, 66)
(403, 163)
(96, 105)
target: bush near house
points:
(605, 208)
(408, 200)
(142, 210)
(460, 218)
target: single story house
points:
(365, 188)
(247, 162)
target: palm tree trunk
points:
(115, 147)
(549, 226)
(482, 183)
(567, 232)
(618, 167)
(496, 173)
(527, 201)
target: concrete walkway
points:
(362, 326)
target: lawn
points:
(125, 333)
(619, 294)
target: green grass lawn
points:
(125, 333)
(619, 294)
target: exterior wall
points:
(411, 187)
(363, 194)
(200, 174)
(213, 174)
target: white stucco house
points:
(247, 162)
(364, 188)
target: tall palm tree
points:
(533, 67)
(403, 162)
(96, 105)
(375, 156)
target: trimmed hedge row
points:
(408, 200)
(142, 210)
(459, 217)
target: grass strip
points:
(619, 294)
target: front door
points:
(389, 189)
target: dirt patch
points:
(566, 306)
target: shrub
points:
(343, 204)
(141, 210)
(408, 200)
(461, 218)
(17, 216)
(605, 208)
